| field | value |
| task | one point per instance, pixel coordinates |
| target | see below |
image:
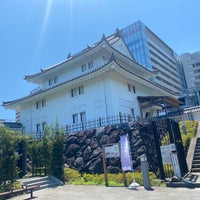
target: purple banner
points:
(126, 160)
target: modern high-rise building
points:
(191, 66)
(154, 54)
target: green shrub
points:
(191, 128)
(74, 177)
(9, 186)
(71, 175)
(93, 179)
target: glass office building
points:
(152, 53)
(136, 40)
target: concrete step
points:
(196, 158)
(30, 181)
(183, 184)
(196, 162)
(195, 170)
(42, 182)
(191, 180)
(194, 166)
(197, 154)
(48, 185)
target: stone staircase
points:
(192, 178)
(196, 158)
(42, 182)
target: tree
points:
(57, 162)
(48, 153)
(47, 150)
(8, 156)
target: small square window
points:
(43, 125)
(50, 82)
(38, 127)
(133, 87)
(129, 87)
(81, 89)
(38, 104)
(90, 65)
(75, 118)
(84, 67)
(43, 102)
(55, 80)
(73, 92)
(83, 116)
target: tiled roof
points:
(8, 103)
(192, 109)
(109, 40)
(70, 57)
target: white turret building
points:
(99, 82)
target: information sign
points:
(166, 154)
(112, 151)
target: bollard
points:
(145, 172)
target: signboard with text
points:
(166, 154)
(112, 151)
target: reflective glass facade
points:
(136, 40)
(154, 54)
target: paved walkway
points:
(74, 192)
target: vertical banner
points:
(126, 160)
(177, 171)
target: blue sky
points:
(36, 34)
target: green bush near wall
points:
(191, 129)
(74, 177)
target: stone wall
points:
(84, 148)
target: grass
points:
(10, 186)
(75, 178)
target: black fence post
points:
(180, 148)
(169, 126)
(82, 126)
(159, 156)
(120, 117)
(99, 121)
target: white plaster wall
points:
(121, 99)
(121, 47)
(196, 116)
(74, 70)
(26, 116)
(92, 101)
(103, 97)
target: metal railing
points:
(99, 122)
(112, 120)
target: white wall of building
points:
(68, 72)
(104, 96)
